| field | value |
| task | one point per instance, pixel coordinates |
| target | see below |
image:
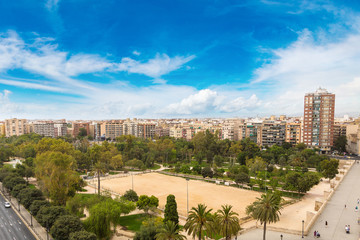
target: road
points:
(334, 213)
(11, 226)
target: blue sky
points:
(91, 59)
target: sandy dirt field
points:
(161, 186)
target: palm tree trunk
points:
(264, 234)
(98, 172)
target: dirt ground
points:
(161, 186)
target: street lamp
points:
(31, 219)
(187, 196)
(19, 204)
(47, 229)
(132, 181)
(281, 236)
(302, 231)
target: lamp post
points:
(281, 236)
(265, 178)
(47, 229)
(302, 230)
(187, 196)
(31, 219)
(19, 204)
(132, 181)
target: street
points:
(11, 226)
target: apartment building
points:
(60, 129)
(177, 132)
(253, 131)
(112, 129)
(319, 109)
(272, 133)
(45, 129)
(15, 127)
(146, 130)
(2, 129)
(230, 129)
(340, 129)
(95, 130)
(162, 131)
(130, 127)
(76, 128)
(293, 132)
(353, 137)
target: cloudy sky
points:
(93, 59)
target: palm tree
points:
(198, 221)
(227, 221)
(169, 231)
(265, 209)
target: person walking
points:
(326, 223)
(315, 234)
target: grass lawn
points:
(155, 167)
(132, 222)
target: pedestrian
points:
(326, 223)
(358, 201)
(345, 205)
(356, 208)
(315, 234)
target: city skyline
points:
(121, 59)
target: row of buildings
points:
(317, 128)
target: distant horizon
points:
(108, 119)
(175, 59)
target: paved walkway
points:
(334, 213)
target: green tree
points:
(65, 225)
(207, 172)
(131, 195)
(116, 162)
(12, 180)
(148, 231)
(82, 132)
(171, 213)
(198, 221)
(227, 221)
(36, 205)
(265, 209)
(47, 216)
(170, 231)
(135, 163)
(56, 174)
(28, 195)
(340, 144)
(256, 164)
(146, 203)
(242, 178)
(16, 190)
(82, 235)
(329, 168)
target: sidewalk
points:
(38, 231)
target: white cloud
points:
(30, 85)
(52, 5)
(241, 103)
(201, 102)
(7, 108)
(315, 59)
(136, 53)
(160, 65)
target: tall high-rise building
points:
(319, 109)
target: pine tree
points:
(171, 213)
